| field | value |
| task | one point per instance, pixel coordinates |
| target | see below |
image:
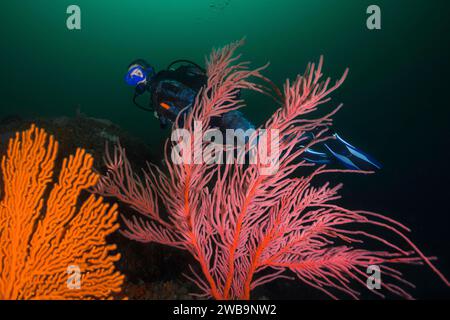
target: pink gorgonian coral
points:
(245, 228)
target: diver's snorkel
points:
(138, 74)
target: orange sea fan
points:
(51, 245)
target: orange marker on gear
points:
(164, 105)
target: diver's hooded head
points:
(139, 72)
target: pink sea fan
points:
(245, 228)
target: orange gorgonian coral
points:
(51, 246)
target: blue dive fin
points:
(343, 159)
(359, 154)
(350, 156)
(340, 151)
(314, 156)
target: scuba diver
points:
(173, 90)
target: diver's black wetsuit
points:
(175, 90)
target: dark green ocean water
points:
(396, 95)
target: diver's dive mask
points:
(139, 72)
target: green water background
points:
(396, 104)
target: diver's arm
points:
(163, 123)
